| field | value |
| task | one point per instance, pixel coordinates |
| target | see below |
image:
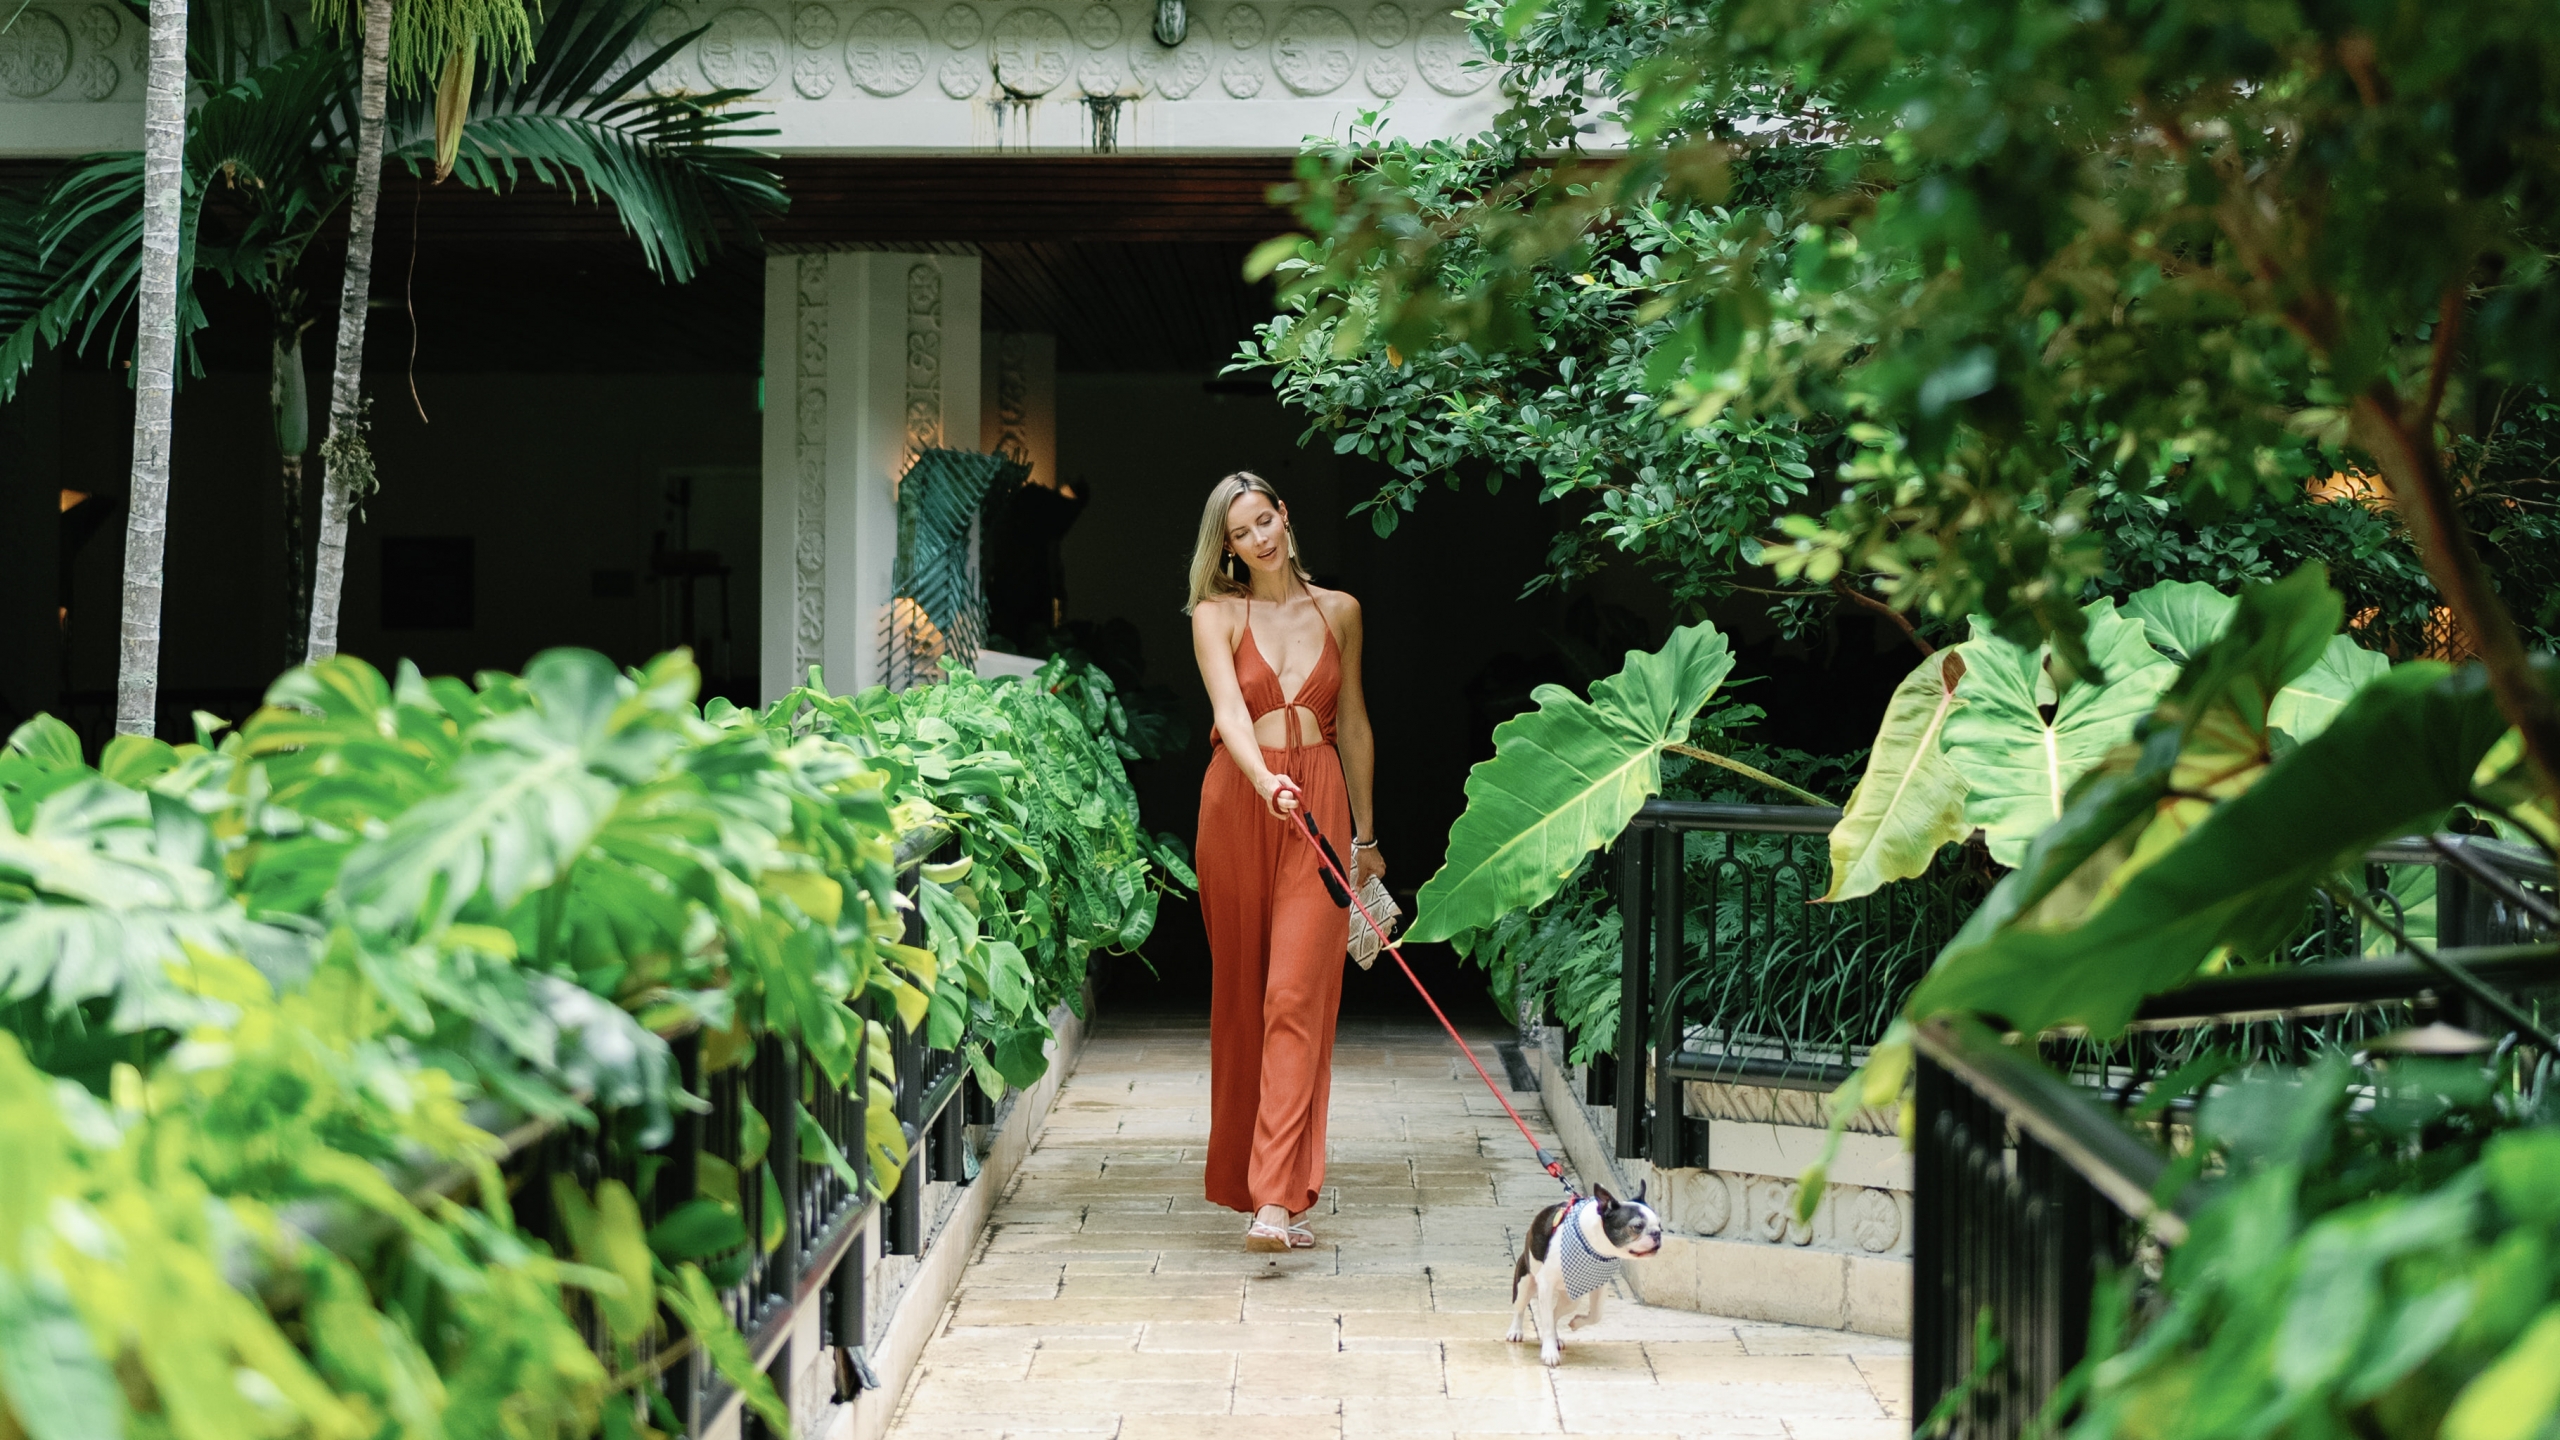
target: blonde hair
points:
(1210, 579)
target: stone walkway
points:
(1108, 1298)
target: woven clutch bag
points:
(1364, 941)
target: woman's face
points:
(1259, 531)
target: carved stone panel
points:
(961, 75)
(1314, 49)
(885, 53)
(1388, 74)
(1874, 1220)
(1098, 25)
(1242, 77)
(924, 358)
(1031, 52)
(742, 50)
(99, 25)
(95, 77)
(1102, 73)
(35, 55)
(1174, 73)
(1245, 26)
(1388, 25)
(962, 26)
(809, 456)
(1443, 53)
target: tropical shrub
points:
(268, 998)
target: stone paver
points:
(1109, 1299)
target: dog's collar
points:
(1584, 1269)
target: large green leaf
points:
(2182, 617)
(2017, 764)
(51, 1374)
(1911, 799)
(1565, 779)
(2401, 752)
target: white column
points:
(869, 356)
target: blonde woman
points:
(1281, 659)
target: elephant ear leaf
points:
(2183, 617)
(1564, 780)
(2021, 738)
(1911, 800)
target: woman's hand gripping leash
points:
(1344, 892)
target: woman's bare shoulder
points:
(1337, 606)
(1218, 615)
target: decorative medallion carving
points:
(1031, 52)
(1242, 77)
(1102, 73)
(95, 77)
(1444, 53)
(664, 28)
(885, 52)
(1098, 25)
(809, 455)
(1174, 73)
(1314, 50)
(742, 50)
(1245, 27)
(98, 26)
(1388, 74)
(1706, 1203)
(813, 71)
(961, 75)
(1388, 25)
(1770, 1211)
(1875, 1220)
(35, 54)
(962, 26)
(924, 358)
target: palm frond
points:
(670, 164)
(939, 500)
(279, 138)
(71, 263)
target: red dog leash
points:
(1333, 866)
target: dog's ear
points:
(1601, 1194)
(1639, 1195)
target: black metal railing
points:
(1730, 973)
(821, 1216)
(2028, 1186)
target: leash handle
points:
(1325, 857)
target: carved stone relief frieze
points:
(886, 51)
(1387, 25)
(809, 456)
(1174, 73)
(813, 33)
(962, 26)
(1314, 49)
(1102, 73)
(35, 55)
(1388, 74)
(1241, 76)
(1245, 26)
(1445, 54)
(743, 50)
(924, 358)
(1098, 25)
(1031, 51)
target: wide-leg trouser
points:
(1276, 949)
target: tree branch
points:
(1840, 585)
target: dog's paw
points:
(1548, 1355)
(1516, 1335)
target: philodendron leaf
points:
(2401, 752)
(2017, 764)
(1911, 800)
(52, 1377)
(2182, 617)
(1564, 780)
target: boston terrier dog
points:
(1574, 1251)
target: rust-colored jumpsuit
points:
(1276, 949)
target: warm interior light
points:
(62, 617)
(2348, 485)
(913, 633)
(73, 497)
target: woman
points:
(1281, 659)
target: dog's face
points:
(1633, 1230)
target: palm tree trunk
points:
(146, 533)
(346, 466)
(290, 390)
